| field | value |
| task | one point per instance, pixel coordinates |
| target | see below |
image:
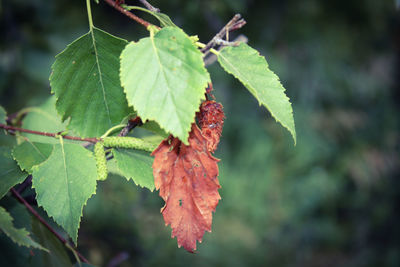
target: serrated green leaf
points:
(85, 80)
(165, 79)
(19, 236)
(247, 65)
(44, 118)
(3, 115)
(135, 165)
(10, 173)
(64, 183)
(57, 255)
(29, 154)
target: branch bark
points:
(36, 214)
(235, 23)
(129, 14)
(12, 128)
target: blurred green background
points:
(332, 200)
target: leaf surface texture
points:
(165, 79)
(247, 65)
(85, 80)
(187, 177)
(64, 183)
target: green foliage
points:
(29, 154)
(153, 126)
(57, 255)
(101, 161)
(10, 173)
(43, 118)
(246, 64)
(3, 115)
(19, 236)
(64, 183)
(135, 165)
(85, 80)
(278, 207)
(164, 79)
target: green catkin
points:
(128, 142)
(101, 161)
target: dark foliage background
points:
(333, 200)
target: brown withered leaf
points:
(187, 177)
(211, 119)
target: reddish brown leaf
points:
(187, 179)
(211, 119)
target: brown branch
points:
(12, 128)
(43, 221)
(235, 23)
(129, 14)
(137, 121)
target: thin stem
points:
(12, 128)
(215, 52)
(149, 6)
(129, 14)
(43, 221)
(235, 23)
(89, 12)
(109, 131)
(201, 45)
(27, 183)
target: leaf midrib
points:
(241, 74)
(66, 178)
(100, 75)
(164, 76)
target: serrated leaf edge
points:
(19, 165)
(186, 137)
(74, 238)
(131, 178)
(26, 233)
(60, 113)
(90, 32)
(247, 84)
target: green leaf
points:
(3, 115)
(85, 80)
(64, 183)
(43, 118)
(29, 154)
(247, 65)
(19, 236)
(136, 165)
(57, 255)
(10, 173)
(164, 19)
(165, 79)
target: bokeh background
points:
(331, 200)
